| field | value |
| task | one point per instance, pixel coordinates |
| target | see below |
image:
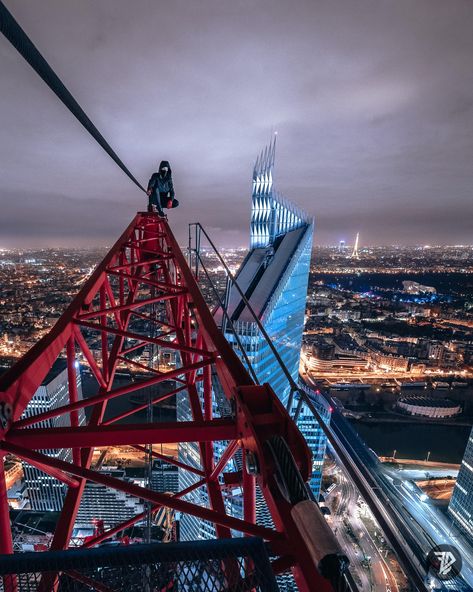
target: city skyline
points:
(242, 247)
(288, 416)
(372, 106)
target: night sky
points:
(372, 101)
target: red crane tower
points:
(143, 269)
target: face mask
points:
(164, 170)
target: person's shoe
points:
(161, 214)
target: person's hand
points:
(148, 192)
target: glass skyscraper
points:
(46, 492)
(274, 278)
(461, 503)
(314, 435)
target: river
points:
(445, 443)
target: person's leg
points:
(152, 202)
(161, 203)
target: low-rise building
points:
(428, 407)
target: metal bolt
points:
(6, 414)
(7, 411)
(251, 463)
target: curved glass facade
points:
(461, 503)
(274, 277)
(271, 214)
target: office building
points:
(314, 435)
(461, 503)
(46, 492)
(274, 277)
(164, 477)
(110, 505)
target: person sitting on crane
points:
(161, 190)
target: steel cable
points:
(23, 44)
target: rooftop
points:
(260, 274)
(428, 402)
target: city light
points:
(181, 413)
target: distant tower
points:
(355, 254)
(341, 246)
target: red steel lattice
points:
(146, 271)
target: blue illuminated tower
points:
(274, 277)
(461, 503)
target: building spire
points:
(272, 215)
(355, 254)
(265, 161)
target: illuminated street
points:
(368, 562)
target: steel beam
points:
(106, 396)
(147, 258)
(121, 435)
(154, 497)
(19, 383)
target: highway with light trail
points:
(411, 525)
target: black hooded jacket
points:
(160, 184)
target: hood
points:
(164, 163)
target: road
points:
(435, 527)
(343, 502)
(366, 560)
(420, 526)
(412, 526)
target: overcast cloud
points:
(373, 102)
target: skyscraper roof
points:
(261, 273)
(278, 228)
(272, 215)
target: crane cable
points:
(23, 44)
